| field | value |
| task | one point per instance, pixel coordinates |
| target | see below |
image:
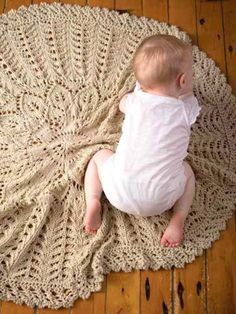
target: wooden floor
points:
(208, 285)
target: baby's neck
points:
(162, 92)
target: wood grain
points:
(156, 9)
(123, 292)
(50, 311)
(183, 14)
(39, 1)
(131, 6)
(210, 30)
(80, 2)
(229, 25)
(101, 3)
(12, 308)
(220, 269)
(221, 273)
(156, 291)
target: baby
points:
(147, 174)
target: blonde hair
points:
(159, 59)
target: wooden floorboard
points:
(189, 283)
(208, 285)
(219, 267)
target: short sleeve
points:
(126, 102)
(192, 108)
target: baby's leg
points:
(93, 190)
(173, 234)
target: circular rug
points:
(63, 69)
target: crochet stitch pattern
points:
(63, 69)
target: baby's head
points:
(161, 61)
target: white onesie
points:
(146, 176)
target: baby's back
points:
(154, 140)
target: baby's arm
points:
(123, 102)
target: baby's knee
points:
(100, 157)
(102, 153)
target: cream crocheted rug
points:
(62, 71)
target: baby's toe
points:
(92, 230)
(164, 242)
(89, 230)
(176, 244)
(168, 243)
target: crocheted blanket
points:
(63, 69)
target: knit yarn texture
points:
(63, 69)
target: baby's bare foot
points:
(93, 219)
(173, 235)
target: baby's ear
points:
(181, 80)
